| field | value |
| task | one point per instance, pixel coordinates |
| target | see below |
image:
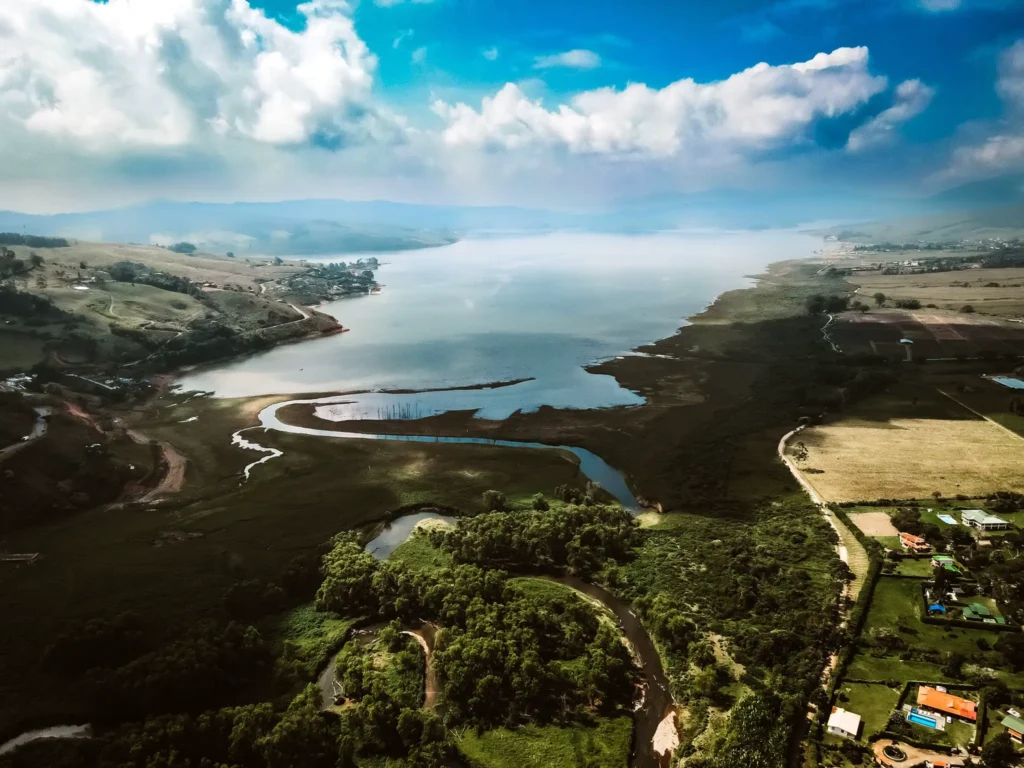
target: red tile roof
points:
(938, 701)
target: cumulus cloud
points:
(912, 98)
(419, 56)
(938, 6)
(167, 74)
(577, 58)
(491, 54)
(757, 109)
(1003, 148)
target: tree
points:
(183, 247)
(36, 260)
(540, 503)
(231, 254)
(967, 309)
(879, 298)
(278, 261)
(495, 501)
(999, 752)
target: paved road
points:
(38, 430)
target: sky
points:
(575, 104)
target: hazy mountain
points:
(1004, 223)
(295, 228)
(996, 192)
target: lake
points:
(489, 309)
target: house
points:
(1015, 727)
(979, 612)
(945, 703)
(914, 543)
(843, 723)
(945, 561)
(983, 521)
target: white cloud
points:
(392, 3)
(757, 109)
(491, 54)
(1003, 148)
(419, 55)
(1011, 76)
(577, 58)
(912, 98)
(166, 74)
(938, 6)
(401, 37)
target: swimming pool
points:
(1008, 381)
(949, 519)
(928, 722)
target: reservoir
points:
(490, 309)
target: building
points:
(914, 543)
(1015, 727)
(945, 561)
(945, 703)
(983, 521)
(980, 612)
(843, 723)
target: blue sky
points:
(570, 104)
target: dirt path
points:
(849, 548)
(915, 756)
(425, 637)
(173, 478)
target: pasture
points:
(908, 444)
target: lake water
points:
(495, 309)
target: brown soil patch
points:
(874, 523)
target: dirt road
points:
(173, 478)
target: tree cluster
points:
(32, 241)
(580, 539)
(503, 655)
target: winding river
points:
(591, 465)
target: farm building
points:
(979, 612)
(1015, 727)
(914, 543)
(844, 723)
(983, 521)
(944, 703)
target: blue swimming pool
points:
(1008, 381)
(928, 722)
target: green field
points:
(606, 744)
(418, 553)
(921, 568)
(874, 703)
(866, 666)
(19, 351)
(896, 605)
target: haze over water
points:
(500, 308)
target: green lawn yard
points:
(873, 702)
(604, 745)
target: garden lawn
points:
(873, 702)
(604, 745)
(896, 605)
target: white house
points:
(843, 723)
(983, 521)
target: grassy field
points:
(19, 351)
(896, 604)
(606, 744)
(866, 666)
(908, 444)
(172, 563)
(418, 553)
(952, 290)
(913, 567)
(874, 703)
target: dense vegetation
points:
(582, 539)
(32, 241)
(504, 655)
(133, 272)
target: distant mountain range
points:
(1002, 223)
(318, 227)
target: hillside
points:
(267, 229)
(91, 306)
(1002, 223)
